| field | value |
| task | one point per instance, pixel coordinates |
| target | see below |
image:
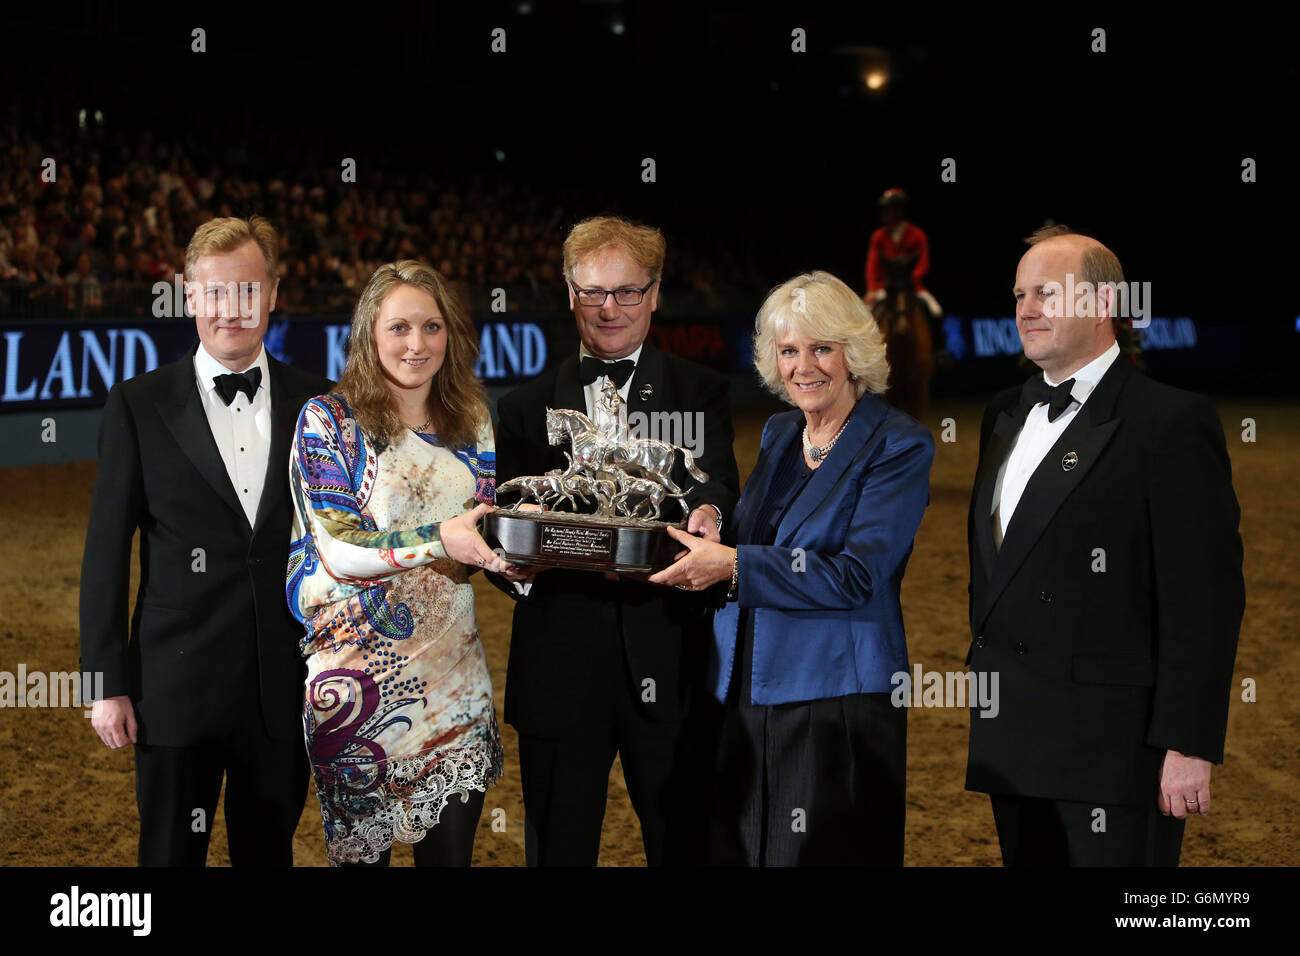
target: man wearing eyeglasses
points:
(606, 665)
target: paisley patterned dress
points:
(398, 713)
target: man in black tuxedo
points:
(196, 454)
(1106, 584)
(607, 664)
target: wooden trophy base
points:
(562, 539)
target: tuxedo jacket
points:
(551, 680)
(1110, 614)
(825, 594)
(211, 641)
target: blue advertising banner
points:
(61, 364)
(56, 364)
(984, 338)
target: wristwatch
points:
(719, 512)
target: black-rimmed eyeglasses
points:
(631, 296)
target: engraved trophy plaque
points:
(627, 479)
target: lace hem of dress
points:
(425, 792)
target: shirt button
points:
(1046, 597)
(1020, 648)
(979, 641)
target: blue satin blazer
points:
(825, 595)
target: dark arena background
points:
(759, 139)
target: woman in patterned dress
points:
(390, 474)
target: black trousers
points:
(177, 789)
(1037, 832)
(815, 783)
(565, 779)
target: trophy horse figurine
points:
(628, 478)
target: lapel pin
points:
(646, 391)
(1069, 461)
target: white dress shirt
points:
(1036, 438)
(592, 391)
(242, 429)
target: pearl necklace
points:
(818, 452)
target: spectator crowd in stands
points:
(95, 232)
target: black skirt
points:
(813, 783)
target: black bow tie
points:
(1057, 398)
(234, 382)
(590, 369)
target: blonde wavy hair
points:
(228, 234)
(818, 306)
(457, 400)
(645, 245)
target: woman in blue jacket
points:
(812, 754)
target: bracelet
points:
(735, 576)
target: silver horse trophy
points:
(627, 479)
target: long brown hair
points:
(457, 402)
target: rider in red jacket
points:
(899, 254)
